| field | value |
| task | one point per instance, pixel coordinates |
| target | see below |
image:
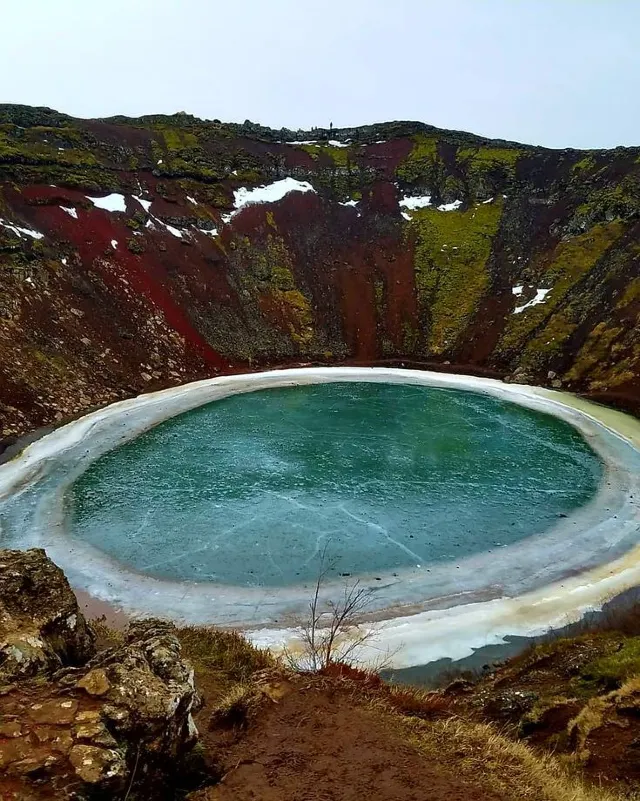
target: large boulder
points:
(146, 689)
(41, 626)
(122, 720)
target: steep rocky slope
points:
(525, 262)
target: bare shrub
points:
(332, 632)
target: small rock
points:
(33, 764)
(10, 729)
(88, 716)
(14, 750)
(458, 687)
(95, 682)
(97, 765)
(510, 704)
(95, 733)
(55, 712)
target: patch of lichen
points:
(499, 162)
(586, 164)
(26, 157)
(620, 201)
(296, 310)
(450, 262)
(606, 358)
(266, 274)
(610, 355)
(378, 290)
(340, 156)
(178, 139)
(538, 333)
(419, 165)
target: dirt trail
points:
(316, 744)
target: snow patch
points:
(484, 202)
(413, 202)
(64, 261)
(113, 202)
(517, 290)
(450, 206)
(406, 216)
(301, 142)
(70, 211)
(173, 231)
(19, 230)
(541, 294)
(146, 204)
(192, 200)
(352, 203)
(269, 193)
(212, 232)
(335, 143)
(114, 243)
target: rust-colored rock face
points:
(514, 261)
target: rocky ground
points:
(155, 712)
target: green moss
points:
(420, 163)
(177, 139)
(499, 162)
(23, 150)
(595, 352)
(296, 309)
(450, 262)
(558, 270)
(613, 669)
(340, 156)
(410, 337)
(378, 289)
(136, 244)
(586, 164)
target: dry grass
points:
(234, 707)
(593, 714)
(590, 717)
(225, 654)
(506, 767)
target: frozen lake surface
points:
(250, 489)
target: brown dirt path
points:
(317, 744)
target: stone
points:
(102, 766)
(95, 682)
(10, 729)
(152, 693)
(41, 626)
(88, 716)
(96, 733)
(33, 764)
(509, 705)
(14, 750)
(57, 712)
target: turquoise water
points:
(250, 490)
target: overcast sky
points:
(561, 73)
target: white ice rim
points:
(422, 614)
